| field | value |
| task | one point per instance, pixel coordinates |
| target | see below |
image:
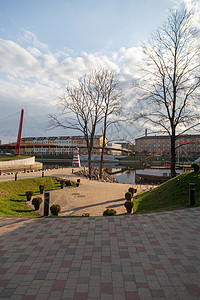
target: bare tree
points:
(170, 79)
(80, 108)
(111, 105)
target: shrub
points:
(62, 183)
(29, 194)
(36, 201)
(129, 206)
(131, 190)
(41, 187)
(109, 212)
(55, 209)
(128, 196)
(195, 167)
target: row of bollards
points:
(16, 174)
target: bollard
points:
(0, 172)
(42, 173)
(46, 203)
(16, 176)
(192, 194)
(72, 171)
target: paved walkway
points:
(150, 256)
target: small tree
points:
(81, 107)
(111, 95)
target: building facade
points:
(117, 149)
(186, 145)
(57, 145)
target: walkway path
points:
(152, 256)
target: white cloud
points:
(15, 60)
(30, 38)
(33, 78)
(36, 75)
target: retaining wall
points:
(20, 164)
(17, 162)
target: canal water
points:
(127, 175)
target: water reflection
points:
(123, 175)
(129, 175)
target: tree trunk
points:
(101, 163)
(102, 152)
(90, 163)
(173, 154)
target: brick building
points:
(148, 145)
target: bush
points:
(131, 190)
(128, 196)
(62, 183)
(41, 187)
(55, 209)
(195, 167)
(129, 206)
(36, 201)
(109, 212)
(29, 194)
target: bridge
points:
(12, 147)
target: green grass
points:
(173, 194)
(7, 158)
(153, 158)
(61, 156)
(12, 195)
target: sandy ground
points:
(91, 197)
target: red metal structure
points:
(17, 149)
(180, 144)
(156, 153)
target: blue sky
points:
(47, 44)
(88, 25)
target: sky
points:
(45, 45)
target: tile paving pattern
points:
(149, 256)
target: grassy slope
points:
(173, 194)
(12, 195)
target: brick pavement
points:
(149, 256)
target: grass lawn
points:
(173, 194)
(7, 158)
(12, 195)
